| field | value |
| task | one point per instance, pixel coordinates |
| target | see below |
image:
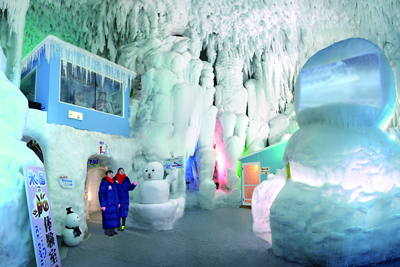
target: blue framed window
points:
(90, 90)
(28, 85)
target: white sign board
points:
(176, 162)
(66, 182)
(41, 217)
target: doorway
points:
(250, 179)
(93, 180)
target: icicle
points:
(78, 57)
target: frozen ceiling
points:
(275, 36)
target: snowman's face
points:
(153, 171)
(72, 220)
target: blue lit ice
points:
(350, 83)
(340, 207)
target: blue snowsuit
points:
(123, 191)
(109, 198)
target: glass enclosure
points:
(90, 90)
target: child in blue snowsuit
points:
(124, 186)
(109, 203)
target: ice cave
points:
(276, 124)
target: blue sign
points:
(94, 163)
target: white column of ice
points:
(177, 95)
(12, 34)
(258, 129)
(231, 101)
(205, 155)
(15, 233)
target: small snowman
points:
(154, 189)
(71, 233)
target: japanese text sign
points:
(176, 162)
(41, 217)
(264, 170)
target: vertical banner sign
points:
(41, 217)
(103, 148)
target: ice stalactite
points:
(12, 22)
(101, 27)
(15, 233)
(77, 57)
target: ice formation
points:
(339, 207)
(15, 234)
(254, 49)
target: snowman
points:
(154, 189)
(71, 233)
(343, 166)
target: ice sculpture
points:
(154, 189)
(340, 206)
(156, 211)
(71, 233)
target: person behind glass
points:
(79, 100)
(110, 202)
(102, 104)
(124, 186)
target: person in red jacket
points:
(110, 203)
(124, 186)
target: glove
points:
(103, 208)
(119, 205)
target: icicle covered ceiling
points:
(276, 36)
(292, 30)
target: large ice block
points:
(347, 80)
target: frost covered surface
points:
(15, 234)
(73, 147)
(366, 159)
(335, 229)
(174, 112)
(340, 206)
(263, 197)
(257, 49)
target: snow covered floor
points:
(220, 237)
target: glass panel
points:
(28, 86)
(108, 95)
(77, 86)
(248, 191)
(251, 174)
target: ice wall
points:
(66, 151)
(15, 233)
(231, 100)
(272, 40)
